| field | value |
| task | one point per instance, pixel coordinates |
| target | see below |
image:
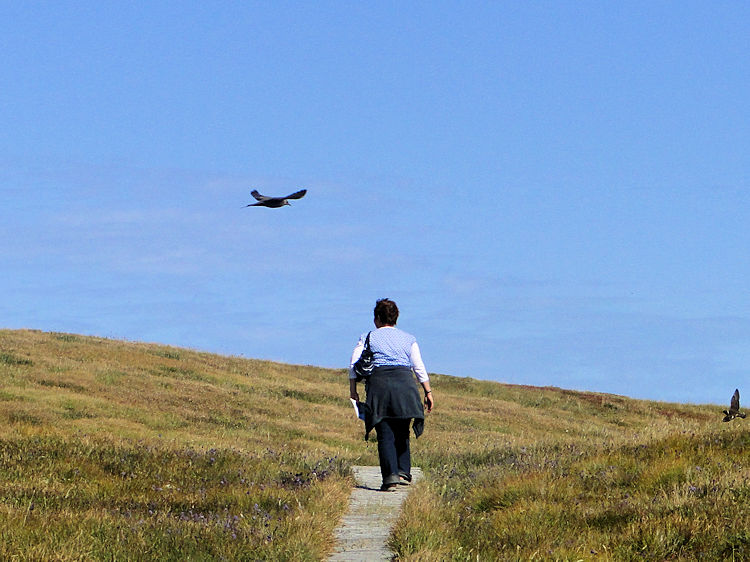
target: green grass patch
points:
(110, 377)
(62, 384)
(10, 397)
(13, 360)
(68, 338)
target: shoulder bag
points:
(364, 365)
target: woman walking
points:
(392, 397)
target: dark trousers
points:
(393, 448)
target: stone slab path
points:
(363, 532)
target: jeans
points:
(393, 448)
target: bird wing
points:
(734, 405)
(258, 196)
(296, 195)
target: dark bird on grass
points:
(274, 202)
(734, 408)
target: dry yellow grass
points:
(147, 451)
(121, 450)
(564, 475)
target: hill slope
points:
(121, 450)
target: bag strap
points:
(367, 341)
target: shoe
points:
(404, 479)
(389, 487)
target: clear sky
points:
(555, 193)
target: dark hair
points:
(386, 312)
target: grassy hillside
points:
(118, 450)
(127, 451)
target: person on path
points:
(392, 396)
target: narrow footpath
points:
(363, 532)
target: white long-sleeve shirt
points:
(391, 347)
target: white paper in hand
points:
(357, 413)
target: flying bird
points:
(734, 408)
(274, 202)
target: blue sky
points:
(555, 193)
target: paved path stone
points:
(364, 530)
